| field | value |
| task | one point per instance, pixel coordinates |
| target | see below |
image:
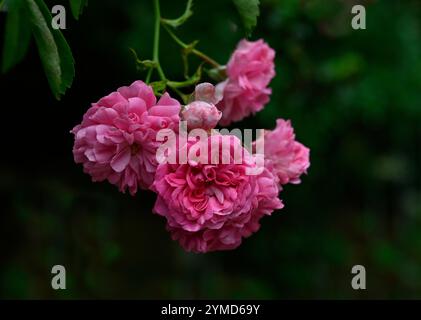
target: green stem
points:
(183, 84)
(206, 58)
(148, 76)
(174, 85)
(196, 52)
(183, 96)
(156, 41)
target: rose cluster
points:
(208, 205)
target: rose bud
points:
(200, 114)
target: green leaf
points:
(183, 18)
(77, 7)
(53, 49)
(249, 11)
(17, 35)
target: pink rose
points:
(249, 70)
(207, 92)
(212, 207)
(285, 157)
(202, 112)
(116, 140)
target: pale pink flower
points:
(249, 71)
(116, 140)
(202, 112)
(285, 157)
(207, 92)
(212, 207)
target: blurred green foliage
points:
(353, 97)
(28, 18)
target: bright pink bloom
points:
(249, 70)
(116, 140)
(212, 207)
(285, 157)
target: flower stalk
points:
(194, 51)
(174, 85)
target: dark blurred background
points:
(353, 97)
